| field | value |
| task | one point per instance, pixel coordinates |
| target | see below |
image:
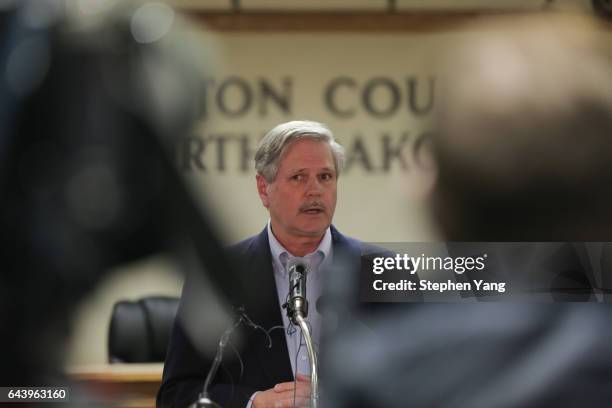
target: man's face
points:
(302, 198)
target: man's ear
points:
(262, 189)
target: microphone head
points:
(296, 265)
(297, 303)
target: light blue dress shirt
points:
(316, 261)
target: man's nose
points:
(314, 187)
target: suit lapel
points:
(264, 309)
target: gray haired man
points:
(298, 164)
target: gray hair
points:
(271, 147)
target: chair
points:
(139, 330)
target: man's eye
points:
(297, 177)
(326, 176)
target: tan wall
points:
(374, 205)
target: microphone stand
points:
(204, 400)
(314, 379)
(297, 311)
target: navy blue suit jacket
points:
(185, 369)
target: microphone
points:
(204, 399)
(297, 303)
(297, 310)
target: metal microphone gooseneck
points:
(297, 311)
(204, 399)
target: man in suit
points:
(298, 164)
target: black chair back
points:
(140, 330)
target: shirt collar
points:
(276, 249)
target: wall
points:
(375, 90)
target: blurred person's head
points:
(298, 164)
(523, 137)
(523, 145)
(93, 102)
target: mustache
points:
(313, 205)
